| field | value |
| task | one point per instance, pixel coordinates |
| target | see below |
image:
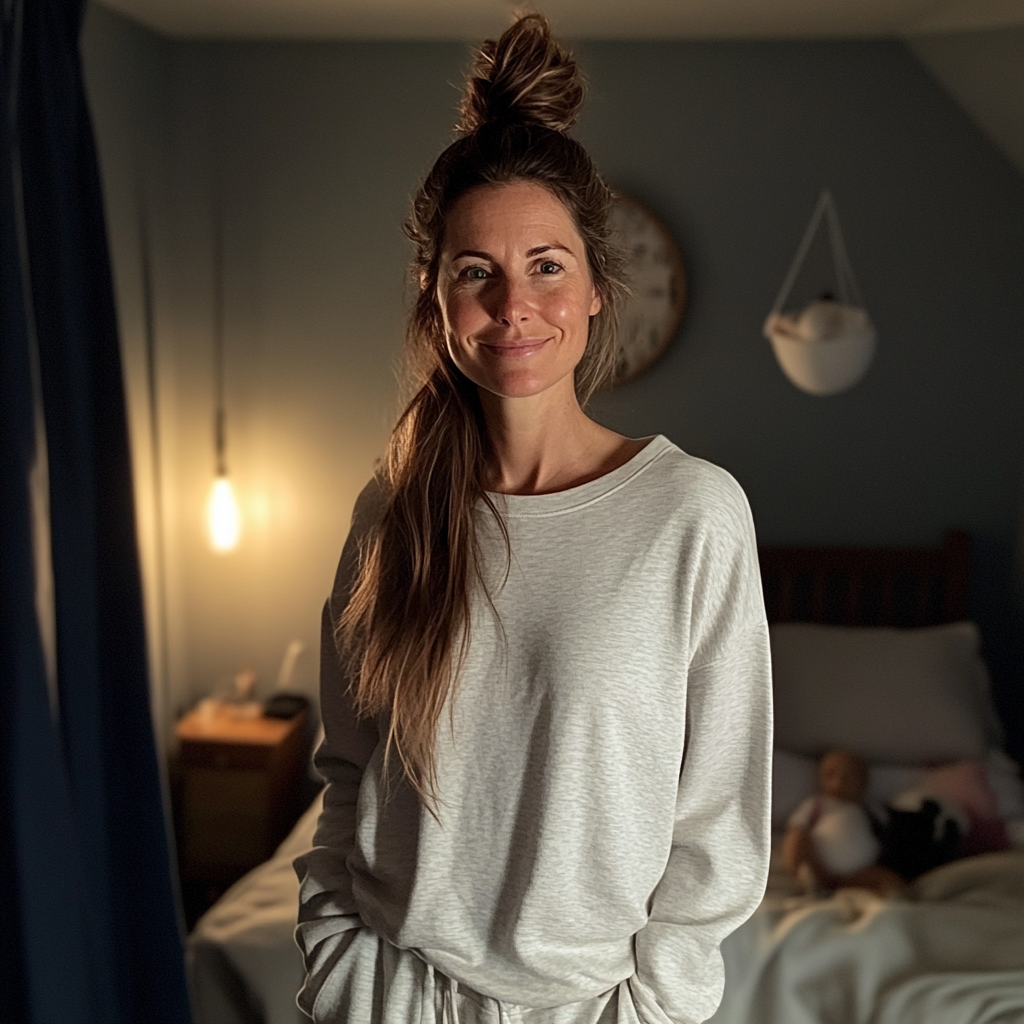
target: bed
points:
(242, 962)
(950, 949)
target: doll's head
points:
(843, 775)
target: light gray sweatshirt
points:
(604, 781)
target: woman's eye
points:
(549, 267)
(475, 273)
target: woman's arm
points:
(328, 915)
(718, 864)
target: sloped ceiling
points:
(616, 19)
(974, 47)
(985, 73)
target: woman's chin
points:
(523, 381)
(525, 385)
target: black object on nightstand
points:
(285, 705)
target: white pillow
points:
(794, 778)
(897, 696)
(888, 781)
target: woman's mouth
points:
(517, 349)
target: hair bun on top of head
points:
(525, 77)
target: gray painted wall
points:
(317, 146)
(731, 142)
(130, 84)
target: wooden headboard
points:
(868, 586)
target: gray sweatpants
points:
(375, 982)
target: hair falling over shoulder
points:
(406, 627)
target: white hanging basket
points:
(828, 346)
(824, 350)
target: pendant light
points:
(223, 521)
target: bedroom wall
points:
(315, 147)
(733, 154)
(129, 74)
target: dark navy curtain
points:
(88, 922)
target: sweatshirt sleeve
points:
(328, 915)
(718, 864)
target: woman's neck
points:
(546, 443)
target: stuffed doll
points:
(830, 842)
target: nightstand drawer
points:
(213, 793)
(225, 821)
(224, 756)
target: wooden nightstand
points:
(240, 790)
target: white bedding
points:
(951, 952)
(243, 964)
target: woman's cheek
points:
(566, 305)
(464, 313)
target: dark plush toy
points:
(911, 842)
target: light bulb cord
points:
(219, 442)
(219, 414)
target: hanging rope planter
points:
(828, 346)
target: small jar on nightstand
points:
(240, 790)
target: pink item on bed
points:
(966, 784)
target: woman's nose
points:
(511, 304)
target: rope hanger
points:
(846, 282)
(827, 346)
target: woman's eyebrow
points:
(537, 250)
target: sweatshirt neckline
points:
(527, 506)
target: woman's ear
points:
(595, 302)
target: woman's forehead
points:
(520, 214)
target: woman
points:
(545, 667)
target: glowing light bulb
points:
(222, 516)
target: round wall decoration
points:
(651, 315)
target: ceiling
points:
(596, 19)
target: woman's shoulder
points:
(366, 512)
(693, 485)
(369, 505)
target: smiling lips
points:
(515, 349)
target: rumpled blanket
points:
(950, 951)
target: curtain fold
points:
(89, 925)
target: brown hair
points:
(406, 626)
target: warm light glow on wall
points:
(223, 520)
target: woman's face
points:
(515, 290)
